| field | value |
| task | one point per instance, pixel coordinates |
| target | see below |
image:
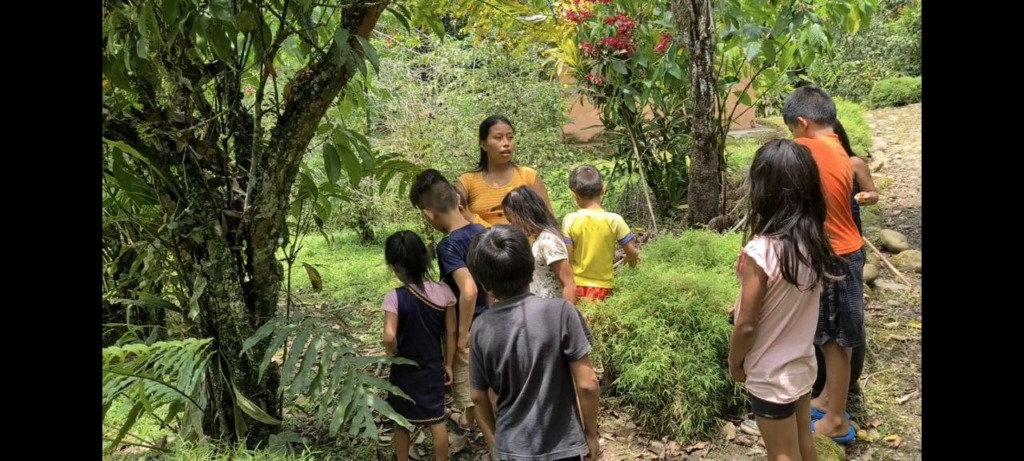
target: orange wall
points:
(584, 116)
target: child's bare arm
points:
(588, 390)
(484, 414)
(450, 325)
(754, 285)
(390, 331)
(632, 254)
(563, 270)
(862, 174)
(467, 304)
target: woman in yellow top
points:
(497, 174)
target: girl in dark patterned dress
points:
(416, 316)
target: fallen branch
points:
(908, 397)
(888, 264)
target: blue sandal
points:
(817, 414)
(843, 440)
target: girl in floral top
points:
(552, 273)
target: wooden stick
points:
(888, 264)
(908, 397)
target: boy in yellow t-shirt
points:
(592, 235)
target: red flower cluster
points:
(620, 43)
(663, 43)
(625, 23)
(595, 79)
(578, 17)
(588, 48)
(623, 41)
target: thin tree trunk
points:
(695, 22)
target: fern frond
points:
(150, 377)
(323, 366)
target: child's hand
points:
(862, 198)
(737, 373)
(448, 375)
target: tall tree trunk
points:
(695, 22)
(229, 252)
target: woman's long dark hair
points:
(485, 130)
(786, 202)
(844, 139)
(530, 210)
(405, 251)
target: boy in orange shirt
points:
(810, 113)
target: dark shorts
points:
(841, 313)
(771, 410)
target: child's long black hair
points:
(844, 139)
(405, 251)
(526, 206)
(787, 202)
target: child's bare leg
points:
(439, 432)
(837, 384)
(470, 417)
(781, 437)
(803, 427)
(821, 402)
(400, 440)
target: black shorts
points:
(841, 313)
(771, 410)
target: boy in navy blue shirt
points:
(438, 200)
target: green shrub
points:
(665, 333)
(894, 92)
(855, 121)
(889, 46)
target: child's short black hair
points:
(501, 259)
(432, 190)
(585, 181)
(811, 103)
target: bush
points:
(890, 46)
(666, 334)
(894, 92)
(855, 120)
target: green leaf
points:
(302, 379)
(401, 18)
(752, 50)
(619, 67)
(818, 36)
(253, 410)
(274, 346)
(260, 334)
(222, 10)
(246, 21)
(288, 372)
(341, 42)
(343, 402)
(332, 163)
(170, 11)
(382, 407)
(221, 44)
(369, 52)
(675, 70)
(133, 416)
(314, 277)
(353, 168)
(197, 290)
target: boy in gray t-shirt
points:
(534, 354)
